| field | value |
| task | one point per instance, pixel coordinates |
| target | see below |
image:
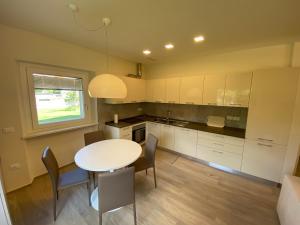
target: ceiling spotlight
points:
(169, 46)
(199, 39)
(146, 52)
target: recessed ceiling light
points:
(199, 39)
(169, 46)
(146, 52)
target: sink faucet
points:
(168, 115)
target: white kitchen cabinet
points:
(136, 91)
(237, 90)
(220, 149)
(159, 90)
(191, 90)
(116, 133)
(271, 105)
(263, 160)
(167, 137)
(172, 90)
(155, 129)
(214, 88)
(185, 141)
(149, 90)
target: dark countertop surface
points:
(229, 131)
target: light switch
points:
(8, 130)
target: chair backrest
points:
(92, 137)
(116, 189)
(150, 148)
(51, 165)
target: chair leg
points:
(146, 171)
(154, 174)
(100, 218)
(55, 197)
(89, 192)
(94, 179)
(134, 213)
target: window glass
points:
(57, 98)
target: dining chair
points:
(65, 180)
(117, 189)
(148, 160)
(90, 138)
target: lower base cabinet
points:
(167, 137)
(186, 141)
(218, 156)
(263, 160)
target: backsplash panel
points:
(198, 113)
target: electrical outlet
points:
(15, 166)
(8, 130)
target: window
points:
(58, 99)
(53, 99)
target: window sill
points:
(60, 130)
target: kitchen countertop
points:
(229, 131)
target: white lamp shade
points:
(107, 86)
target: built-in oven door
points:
(139, 133)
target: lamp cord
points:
(86, 28)
(107, 49)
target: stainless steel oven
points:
(139, 133)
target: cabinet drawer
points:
(221, 145)
(211, 136)
(128, 137)
(125, 131)
(220, 157)
(263, 160)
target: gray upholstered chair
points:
(148, 160)
(90, 138)
(116, 190)
(64, 180)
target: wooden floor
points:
(188, 193)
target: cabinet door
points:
(172, 90)
(186, 141)
(214, 87)
(167, 137)
(191, 90)
(263, 160)
(136, 90)
(159, 90)
(155, 129)
(271, 105)
(237, 90)
(149, 90)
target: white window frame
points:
(28, 110)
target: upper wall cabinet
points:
(271, 105)
(156, 90)
(191, 90)
(172, 90)
(214, 88)
(237, 90)
(136, 91)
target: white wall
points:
(16, 44)
(238, 61)
(296, 55)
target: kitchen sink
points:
(172, 122)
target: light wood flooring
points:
(188, 193)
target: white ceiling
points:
(140, 24)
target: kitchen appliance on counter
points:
(139, 133)
(215, 121)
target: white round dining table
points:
(107, 155)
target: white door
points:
(237, 91)
(172, 90)
(214, 88)
(167, 137)
(186, 141)
(191, 90)
(4, 214)
(271, 105)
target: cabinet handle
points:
(210, 103)
(171, 101)
(158, 101)
(217, 152)
(263, 139)
(191, 103)
(235, 104)
(269, 146)
(219, 144)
